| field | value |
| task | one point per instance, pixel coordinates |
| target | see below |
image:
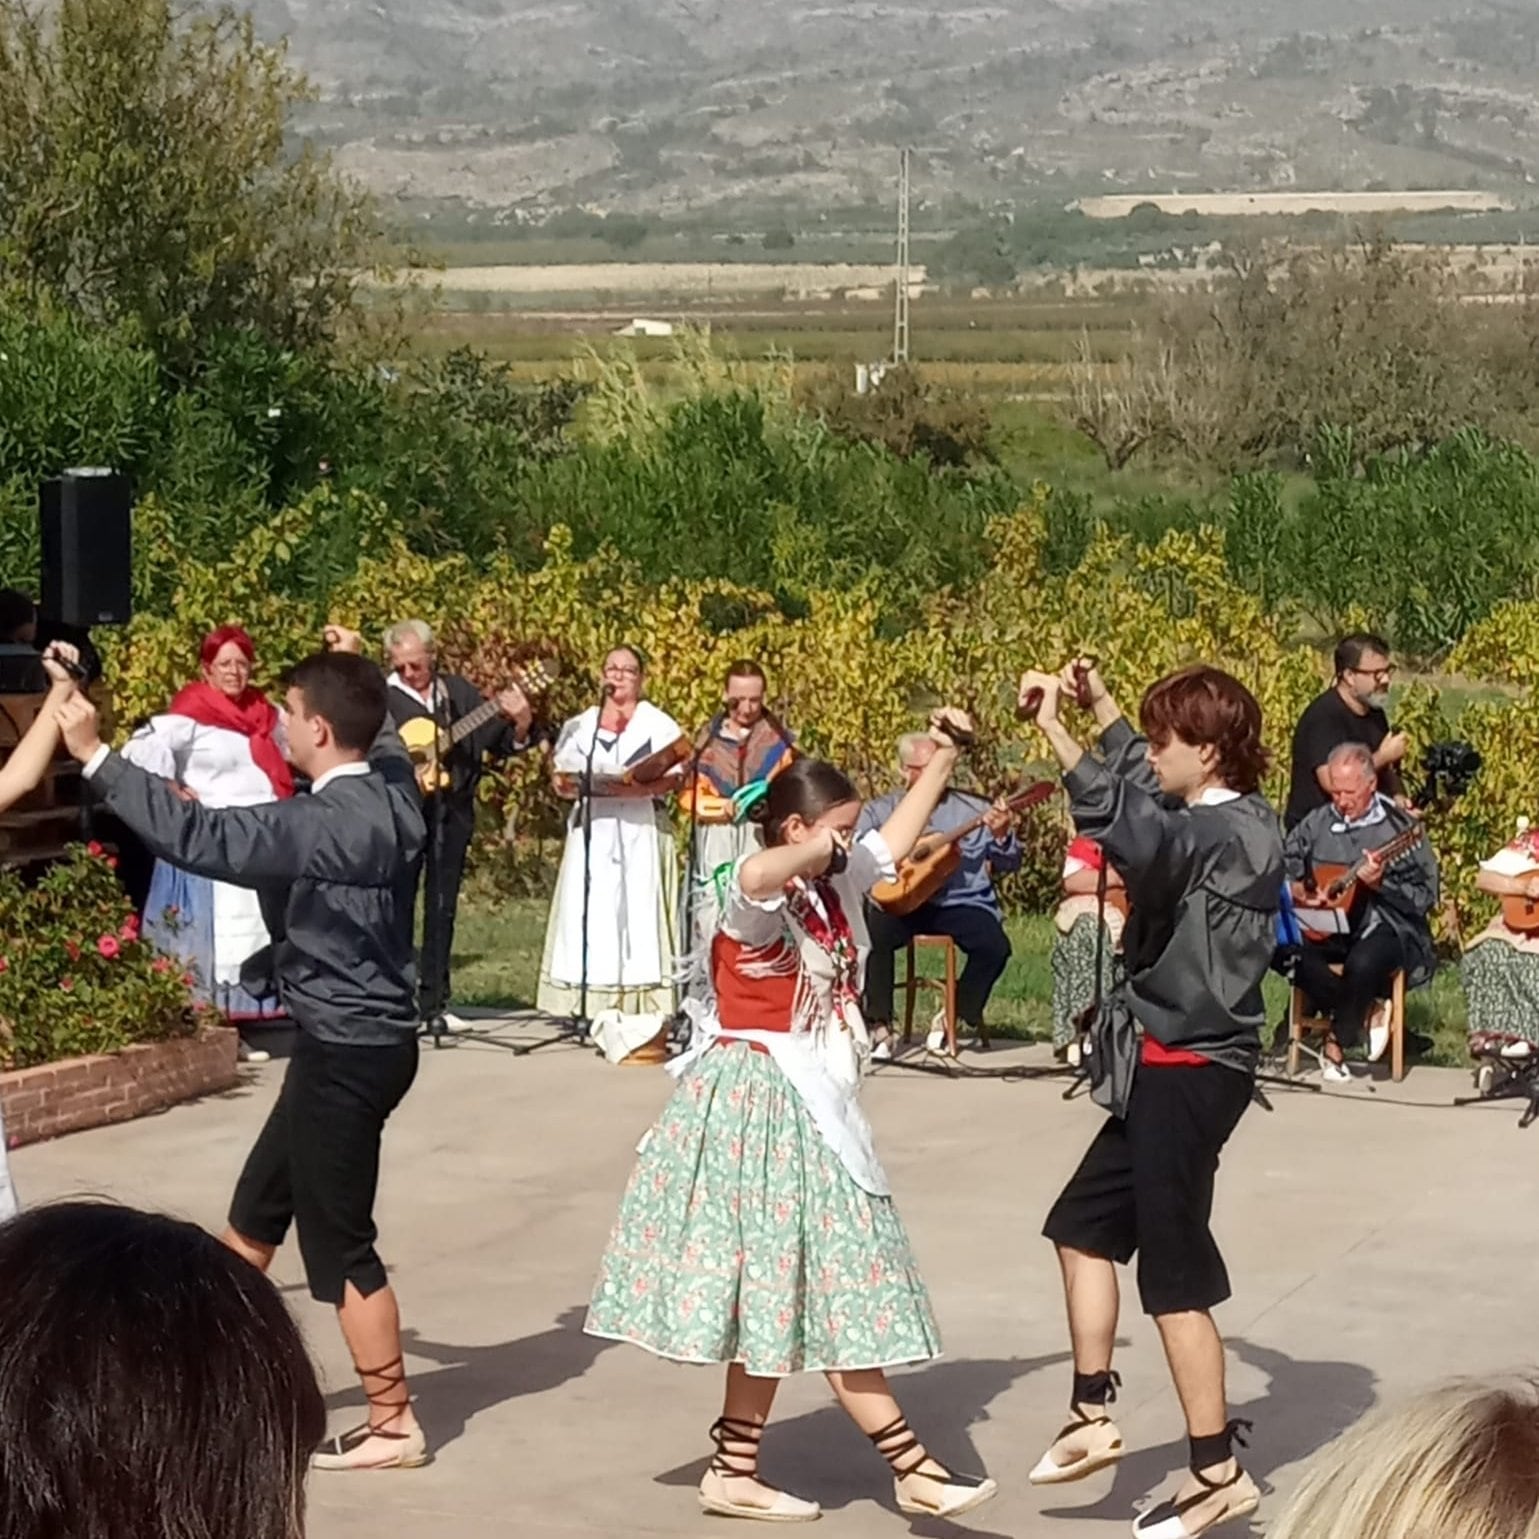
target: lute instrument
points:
(644, 772)
(936, 858)
(1520, 913)
(430, 744)
(1335, 886)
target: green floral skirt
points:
(1501, 986)
(742, 1238)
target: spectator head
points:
(1363, 669)
(413, 652)
(1204, 729)
(1460, 1462)
(18, 618)
(1351, 778)
(337, 704)
(151, 1383)
(744, 693)
(226, 657)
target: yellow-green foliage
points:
(848, 690)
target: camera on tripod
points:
(1448, 770)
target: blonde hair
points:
(1459, 1462)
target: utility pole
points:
(900, 275)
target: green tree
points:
(148, 182)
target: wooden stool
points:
(1301, 1021)
(946, 988)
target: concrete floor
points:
(1378, 1240)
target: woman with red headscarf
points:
(222, 742)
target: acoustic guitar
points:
(429, 744)
(1520, 913)
(1335, 886)
(938, 857)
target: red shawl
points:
(251, 714)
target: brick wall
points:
(113, 1087)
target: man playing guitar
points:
(419, 689)
(966, 908)
(1379, 919)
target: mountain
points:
(670, 107)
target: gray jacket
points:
(347, 858)
(1407, 894)
(1204, 883)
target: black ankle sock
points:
(1095, 1388)
(1218, 1447)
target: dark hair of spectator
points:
(152, 1384)
(345, 690)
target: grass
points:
(498, 948)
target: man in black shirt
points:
(1351, 711)
(417, 688)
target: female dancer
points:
(758, 1229)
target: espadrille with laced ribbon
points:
(919, 1493)
(372, 1448)
(737, 1461)
(1213, 1502)
(1089, 1441)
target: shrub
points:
(75, 977)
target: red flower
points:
(5, 964)
(66, 984)
(188, 980)
(161, 965)
(112, 862)
(130, 930)
(95, 847)
(108, 946)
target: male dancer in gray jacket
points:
(1179, 813)
(347, 855)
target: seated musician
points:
(1500, 970)
(740, 752)
(418, 688)
(966, 908)
(1386, 910)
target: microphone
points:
(712, 727)
(606, 689)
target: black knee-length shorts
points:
(316, 1161)
(1145, 1185)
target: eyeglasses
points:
(1385, 674)
(624, 673)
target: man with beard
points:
(1351, 711)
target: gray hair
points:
(908, 743)
(405, 630)
(1359, 754)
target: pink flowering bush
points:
(75, 975)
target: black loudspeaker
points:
(85, 520)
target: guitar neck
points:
(472, 721)
(1398, 846)
(1021, 803)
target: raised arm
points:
(766, 872)
(247, 846)
(911, 816)
(29, 760)
(1135, 830)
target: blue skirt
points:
(179, 921)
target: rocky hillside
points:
(667, 106)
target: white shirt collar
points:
(1378, 810)
(1216, 796)
(338, 772)
(395, 681)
